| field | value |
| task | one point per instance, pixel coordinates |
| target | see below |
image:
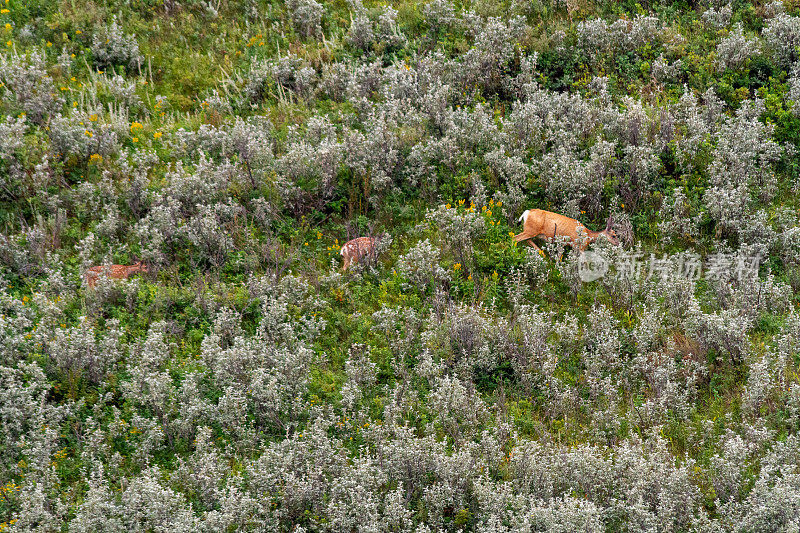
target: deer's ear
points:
(609, 222)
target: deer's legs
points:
(533, 245)
(520, 237)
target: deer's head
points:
(609, 233)
(140, 267)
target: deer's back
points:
(358, 246)
(550, 224)
(114, 271)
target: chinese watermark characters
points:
(639, 266)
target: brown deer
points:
(355, 249)
(536, 222)
(113, 272)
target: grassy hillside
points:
(456, 381)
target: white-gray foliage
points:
(420, 266)
(782, 37)
(112, 47)
(734, 50)
(306, 16)
(718, 18)
(28, 86)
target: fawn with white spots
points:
(357, 248)
(113, 272)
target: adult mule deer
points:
(113, 271)
(537, 222)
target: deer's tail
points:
(524, 217)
